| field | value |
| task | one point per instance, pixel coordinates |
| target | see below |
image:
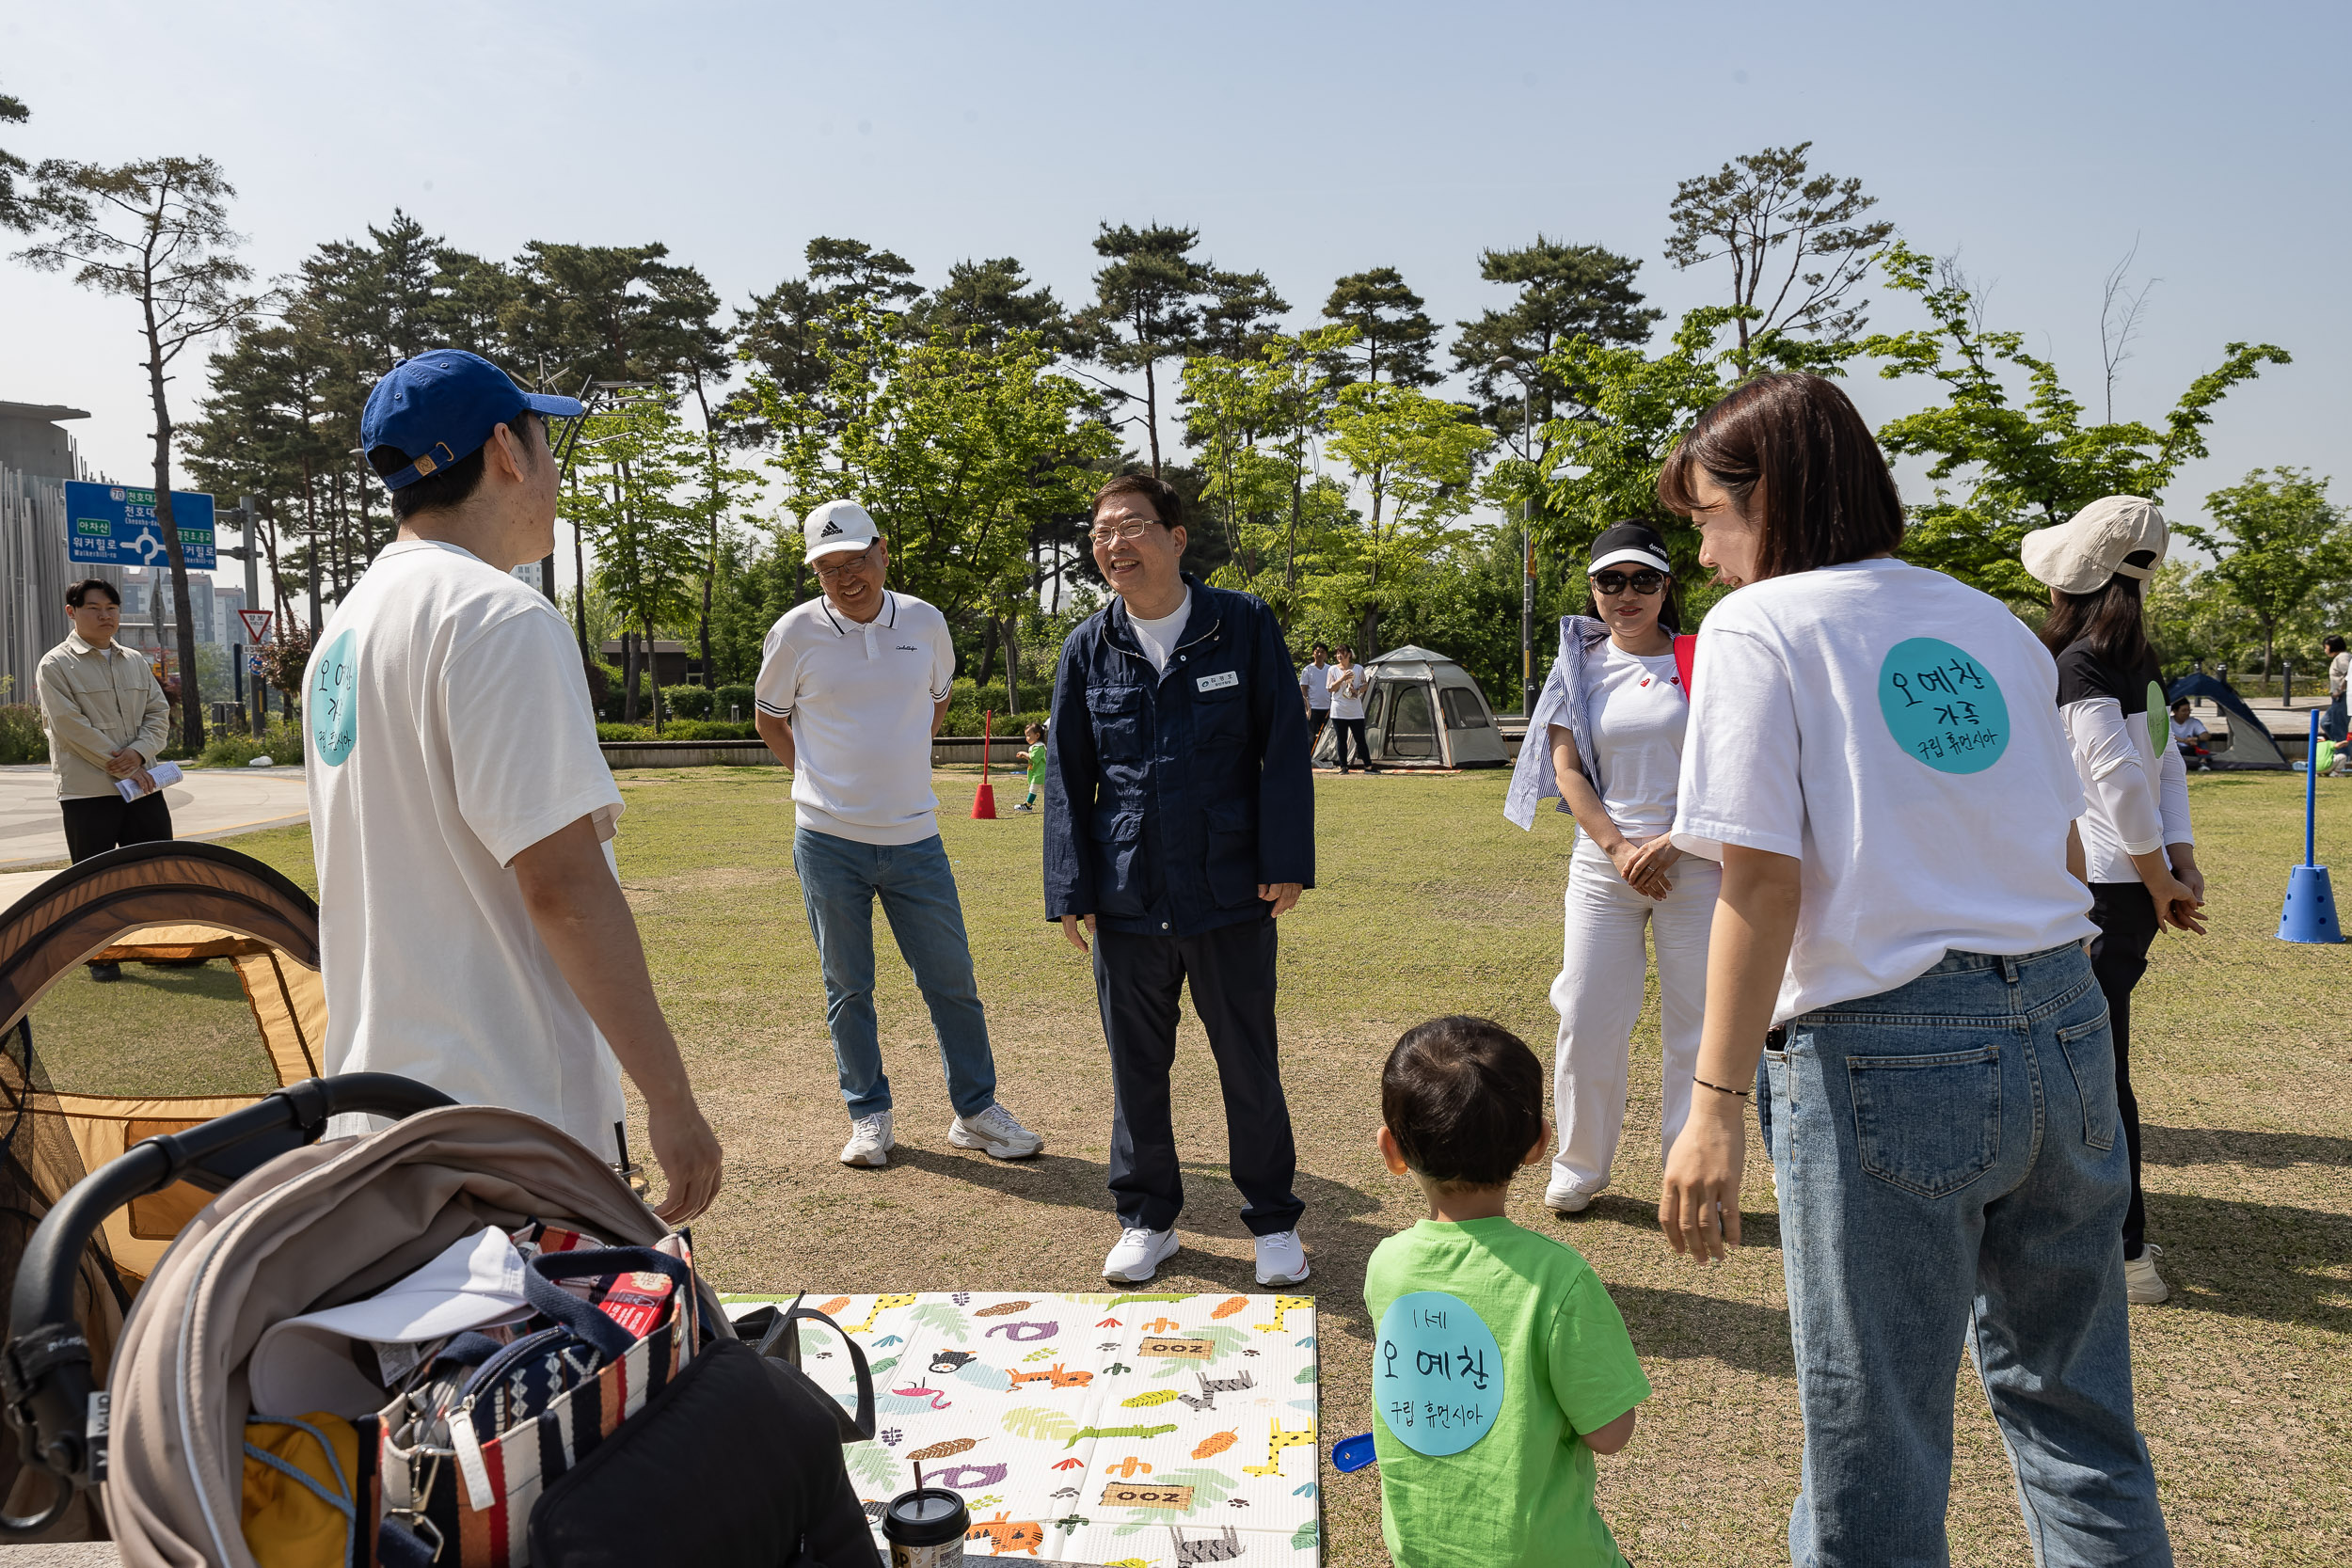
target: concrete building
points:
(36, 457)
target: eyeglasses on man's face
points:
(1122, 534)
(841, 563)
(1643, 582)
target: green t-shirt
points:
(1037, 765)
(1493, 1348)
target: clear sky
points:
(2040, 140)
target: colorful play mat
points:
(1134, 1430)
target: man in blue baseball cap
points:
(471, 923)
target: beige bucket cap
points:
(2114, 534)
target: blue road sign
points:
(114, 524)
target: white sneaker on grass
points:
(871, 1142)
(1562, 1197)
(1281, 1258)
(2142, 1285)
(993, 1132)
(1140, 1253)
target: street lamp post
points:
(1527, 538)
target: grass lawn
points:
(1430, 903)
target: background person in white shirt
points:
(2138, 852)
(1875, 756)
(2333, 724)
(852, 686)
(474, 929)
(1315, 683)
(1612, 713)
(1349, 683)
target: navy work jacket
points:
(1171, 796)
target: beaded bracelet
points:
(1718, 1088)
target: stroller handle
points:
(46, 1367)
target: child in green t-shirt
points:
(1034, 757)
(1500, 1365)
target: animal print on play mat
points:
(1134, 1430)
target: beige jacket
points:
(94, 704)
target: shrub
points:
(686, 701)
(730, 698)
(282, 745)
(21, 738)
(684, 729)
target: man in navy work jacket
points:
(1179, 823)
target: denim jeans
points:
(1951, 1170)
(839, 880)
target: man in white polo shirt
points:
(474, 929)
(852, 686)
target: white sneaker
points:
(994, 1132)
(2142, 1285)
(1281, 1260)
(1562, 1198)
(1138, 1254)
(871, 1142)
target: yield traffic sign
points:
(256, 623)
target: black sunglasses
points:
(1645, 581)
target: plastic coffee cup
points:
(926, 1528)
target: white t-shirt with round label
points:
(1638, 715)
(1897, 731)
(1348, 688)
(450, 731)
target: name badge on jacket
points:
(1218, 682)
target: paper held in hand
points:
(161, 773)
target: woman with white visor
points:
(1606, 738)
(2137, 849)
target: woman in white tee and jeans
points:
(1607, 738)
(1875, 756)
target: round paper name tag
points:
(2159, 722)
(1437, 1373)
(334, 699)
(1943, 706)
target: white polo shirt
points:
(860, 700)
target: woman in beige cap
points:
(2139, 853)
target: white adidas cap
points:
(838, 526)
(304, 1364)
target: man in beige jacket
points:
(106, 719)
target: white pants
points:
(1598, 997)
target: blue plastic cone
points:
(2311, 911)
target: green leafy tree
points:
(1147, 308)
(1799, 243)
(16, 207)
(1254, 420)
(611, 313)
(989, 301)
(792, 332)
(2025, 462)
(958, 451)
(1604, 461)
(1419, 455)
(1564, 291)
(1239, 319)
(154, 231)
(1394, 337)
(636, 504)
(2277, 542)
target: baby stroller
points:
(686, 1413)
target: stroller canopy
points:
(154, 903)
(2248, 743)
(1424, 711)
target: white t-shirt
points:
(1638, 714)
(1315, 680)
(450, 731)
(2339, 674)
(860, 698)
(1158, 639)
(1348, 688)
(2190, 728)
(2136, 791)
(1898, 733)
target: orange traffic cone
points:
(984, 799)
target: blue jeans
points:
(839, 880)
(1950, 1170)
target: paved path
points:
(210, 802)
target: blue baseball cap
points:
(441, 407)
